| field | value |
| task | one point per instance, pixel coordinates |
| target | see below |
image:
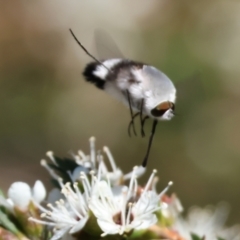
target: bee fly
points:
(148, 92)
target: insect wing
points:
(106, 46)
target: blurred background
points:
(46, 104)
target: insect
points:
(147, 91)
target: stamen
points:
(70, 191)
(92, 172)
(60, 181)
(165, 189)
(110, 158)
(139, 172)
(129, 213)
(148, 185)
(102, 169)
(73, 195)
(154, 183)
(44, 164)
(86, 184)
(92, 151)
(104, 199)
(135, 188)
(49, 205)
(41, 222)
(43, 215)
(82, 155)
(107, 180)
(132, 181)
(98, 156)
(76, 158)
(50, 154)
(124, 203)
(81, 200)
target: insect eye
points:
(158, 112)
(160, 109)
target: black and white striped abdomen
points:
(97, 73)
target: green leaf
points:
(46, 233)
(7, 223)
(196, 237)
(220, 238)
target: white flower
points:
(116, 175)
(69, 215)
(119, 212)
(207, 222)
(20, 195)
(174, 206)
(38, 192)
(94, 161)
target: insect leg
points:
(131, 123)
(143, 122)
(132, 116)
(144, 163)
(141, 118)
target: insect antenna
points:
(86, 51)
(144, 163)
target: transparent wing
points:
(106, 46)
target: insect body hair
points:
(89, 75)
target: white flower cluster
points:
(117, 207)
(20, 195)
(93, 202)
(208, 223)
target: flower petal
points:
(78, 226)
(108, 227)
(38, 191)
(59, 233)
(20, 194)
